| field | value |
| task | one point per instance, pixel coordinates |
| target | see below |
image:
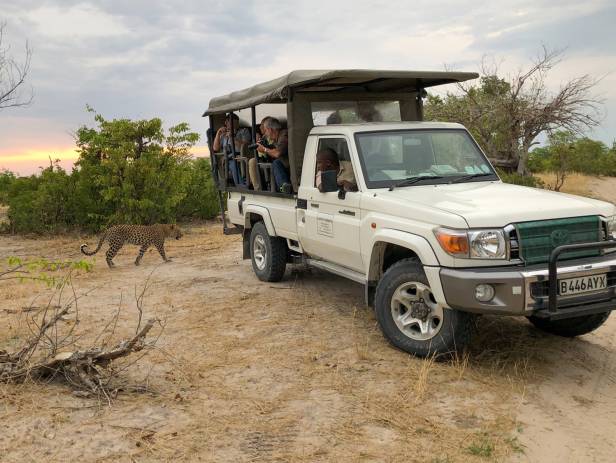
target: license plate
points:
(579, 285)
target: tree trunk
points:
(527, 142)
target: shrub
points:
(127, 172)
(523, 180)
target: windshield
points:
(449, 155)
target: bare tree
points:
(508, 114)
(13, 76)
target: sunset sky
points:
(143, 59)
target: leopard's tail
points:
(100, 243)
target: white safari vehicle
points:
(431, 232)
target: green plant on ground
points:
(42, 270)
(484, 447)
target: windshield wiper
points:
(471, 176)
(410, 180)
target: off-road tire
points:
(571, 327)
(456, 327)
(275, 261)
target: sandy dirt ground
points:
(570, 413)
(294, 371)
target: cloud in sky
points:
(143, 59)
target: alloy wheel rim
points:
(260, 252)
(415, 311)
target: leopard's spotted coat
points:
(141, 235)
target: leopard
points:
(141, 235)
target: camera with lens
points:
(263, 142)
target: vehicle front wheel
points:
(268, 254)
(410, 317)
(571, 327)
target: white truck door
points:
(329, 227)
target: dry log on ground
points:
(81, 368)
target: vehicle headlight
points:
(487, 244)
(611, 227)
(473, 244)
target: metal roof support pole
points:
(420, 108)
(253, 120)
(210, 143)
(232, 133)
(232, 143)
(216, 175)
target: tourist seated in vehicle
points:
(278, 152)
(346, 177)
(222, 144)
(327, 160)
(253, 169)
(242, 138)
(334, 118)
(223, 134)
(367, 112)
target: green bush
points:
(127, 172)
(523, 180)
(201, 200)
(6, 180)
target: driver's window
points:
(333, 154)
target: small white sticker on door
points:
(325, 227)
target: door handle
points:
(345, 212)
(315, 205)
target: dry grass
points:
(248, 371)
(575, 184)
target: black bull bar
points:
(553, 311)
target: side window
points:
(341, 153)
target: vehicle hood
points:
(496, 204)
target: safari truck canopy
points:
(306, 91)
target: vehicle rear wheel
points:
(268, 254)
(571, 327)
(410, 317)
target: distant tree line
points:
(127, 172)
(565, 153)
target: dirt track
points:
(298, 371)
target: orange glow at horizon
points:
(38, 155)
(28, 161)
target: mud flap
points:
(246, 243)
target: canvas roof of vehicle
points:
(333, 81)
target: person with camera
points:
(278, 150)
(253, 169)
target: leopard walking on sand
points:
(140, 235)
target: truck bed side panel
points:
(281, 211)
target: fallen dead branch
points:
(50, 352)
(82, 368)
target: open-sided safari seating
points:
(306, 93)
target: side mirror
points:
(329, 181)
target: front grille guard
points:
(553, 311)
